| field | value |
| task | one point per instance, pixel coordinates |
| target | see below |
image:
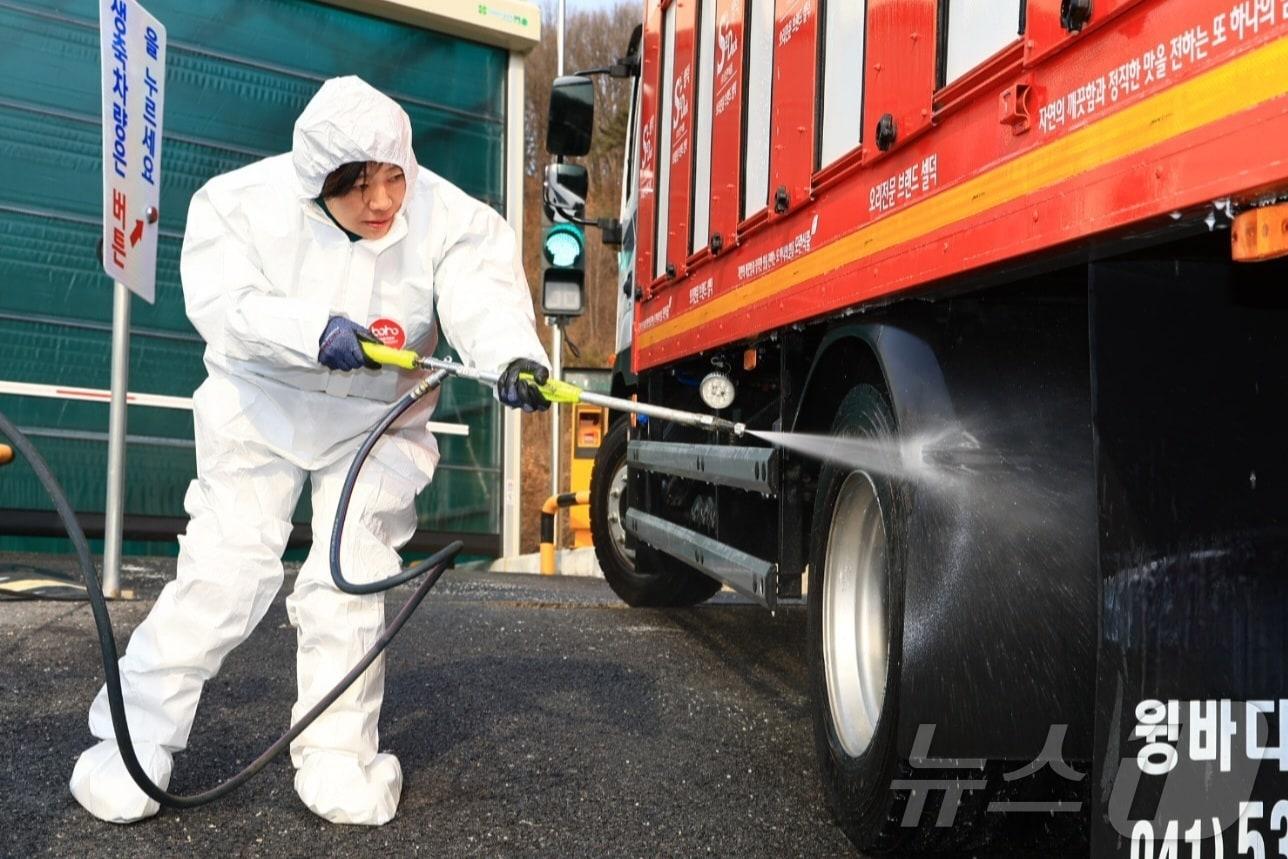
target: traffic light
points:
(563, 246)
(563, 283)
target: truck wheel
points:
(855, 631)
(638, 574)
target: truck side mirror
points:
(564, 191)
(572, 116)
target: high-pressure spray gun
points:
(555, 390)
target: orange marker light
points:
(1260, 234)
(749, 358)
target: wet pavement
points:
(532, 716)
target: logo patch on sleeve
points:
(388, 332)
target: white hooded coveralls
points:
(263, 269)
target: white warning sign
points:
(133, 57)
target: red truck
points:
(1000, 290)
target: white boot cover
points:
(102, 785)
(336, 787)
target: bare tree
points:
(592, 39)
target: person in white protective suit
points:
(287, 264)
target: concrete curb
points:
(568, 562)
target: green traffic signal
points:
(563, 280)
(564, 245)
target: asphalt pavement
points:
(532, 715)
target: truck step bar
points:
(751, 468)
(744, 573)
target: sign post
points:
(114, 511)
(132, 51)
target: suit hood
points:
(350, 120)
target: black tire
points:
(648, 578)
(859, 786)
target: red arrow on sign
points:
(136, 233)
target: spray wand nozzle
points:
(554, 390)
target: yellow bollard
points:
(549, 538)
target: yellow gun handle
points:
(556, 391)
(389, 356)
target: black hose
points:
(346, 494)
(434, 565)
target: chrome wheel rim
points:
(617, 504)
(856, 645)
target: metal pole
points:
(560, 41)
(511, 456)
(556, 338)
(556, 371)
(114, 513)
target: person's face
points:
(368, 208)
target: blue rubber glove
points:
(340, 347)
(520, 393)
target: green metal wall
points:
(239, 73)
